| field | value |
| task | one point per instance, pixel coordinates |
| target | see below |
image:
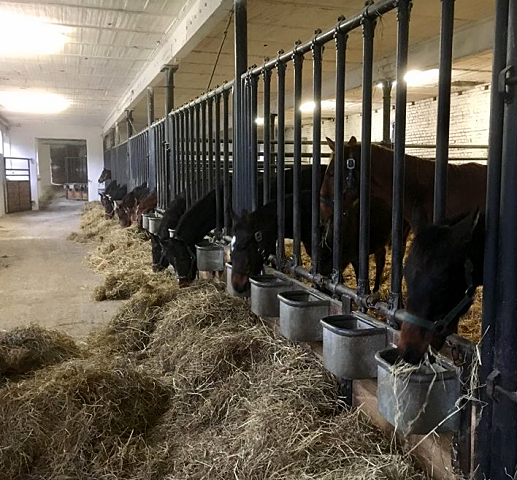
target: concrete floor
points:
(42, 277)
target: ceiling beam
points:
(190, 28)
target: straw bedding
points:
(188, 384)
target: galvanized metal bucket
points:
(349, 346)
(145, 220)
(300, 315)
(418, 403)
(210, 256)
(264, 294)
(172, 232)
(229, 287)
(154, 224)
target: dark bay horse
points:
(443, 269)
(466, 187)
(105, 175)
(170, 219)
(126, 208)
(111, 195)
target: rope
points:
(225, 34)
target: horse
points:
(466, 183)
(105, 175)
(170, 220)
(126, 208)
(148, 204)
(443, 269)
(200, 220)
(112, 194)
(255, 235)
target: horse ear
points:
(352, 142)
(464, 228)
(331, 144)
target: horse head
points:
(250, 246)
(160, 261)
(351, 155)
(105, 175)
(182, 257)
(442, 271)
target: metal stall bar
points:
(490, 280)
(253, 163)
(188, 163)
(317, 59)
(341, 40)
(502, 382)
(297, 166)
(218, 199)
(241, 168)
(226, 162)
(210, 163)
(173, 159)
(266, 76)
(181, 154)
(444, 111)
(197, 143)
(363, 283)
(397, 219)
(194, 166)
(204, 163)
(280, 164)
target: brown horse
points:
(466, 187)
(105, 175)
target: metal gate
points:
(18, 185)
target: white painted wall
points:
(23, 143)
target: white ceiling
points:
(110, 42)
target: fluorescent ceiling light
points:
(259, 120)
(24, 35)
(24, 101)
(419, 78)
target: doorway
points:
(18, 184)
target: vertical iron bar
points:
(188, 160)
(150, 106)
(363, 283)
(386, 112)
(226, 162)
(444, 110)
(240, 184)
(341, 40)
(267, 136)
(397, 218)
(129, 123)
(193, 163)
(490, 274)
(280, 165)
(199, 178)
(204, 167)
(169, 71)
(210, 144)
(297, 166)
(317, 58)
(504, 417)
(253, 142)
(219, 220)
(173, 175)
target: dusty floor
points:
(42, 277)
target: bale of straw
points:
(27, 349)
(80, 419)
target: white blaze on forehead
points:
(232, 243)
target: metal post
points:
(397, 218)
(490, 274)
(267, 136)
(169, 71)
(363, 283)
(297, 220)
(341, 40)
(504, 418)
(191, 138)
(199, 174)
(150, 106)
(173, 157)
(204, 166)
(386, 111)
(280, 165)
(253, 143)
(210, 127)
(226, 162)
(129, 123)
(219, 220)
(444, 110)
(240, 184)
(317, 59)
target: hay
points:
(81, 419)
(94, 226)
(28, 349)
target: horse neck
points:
(198, 220)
